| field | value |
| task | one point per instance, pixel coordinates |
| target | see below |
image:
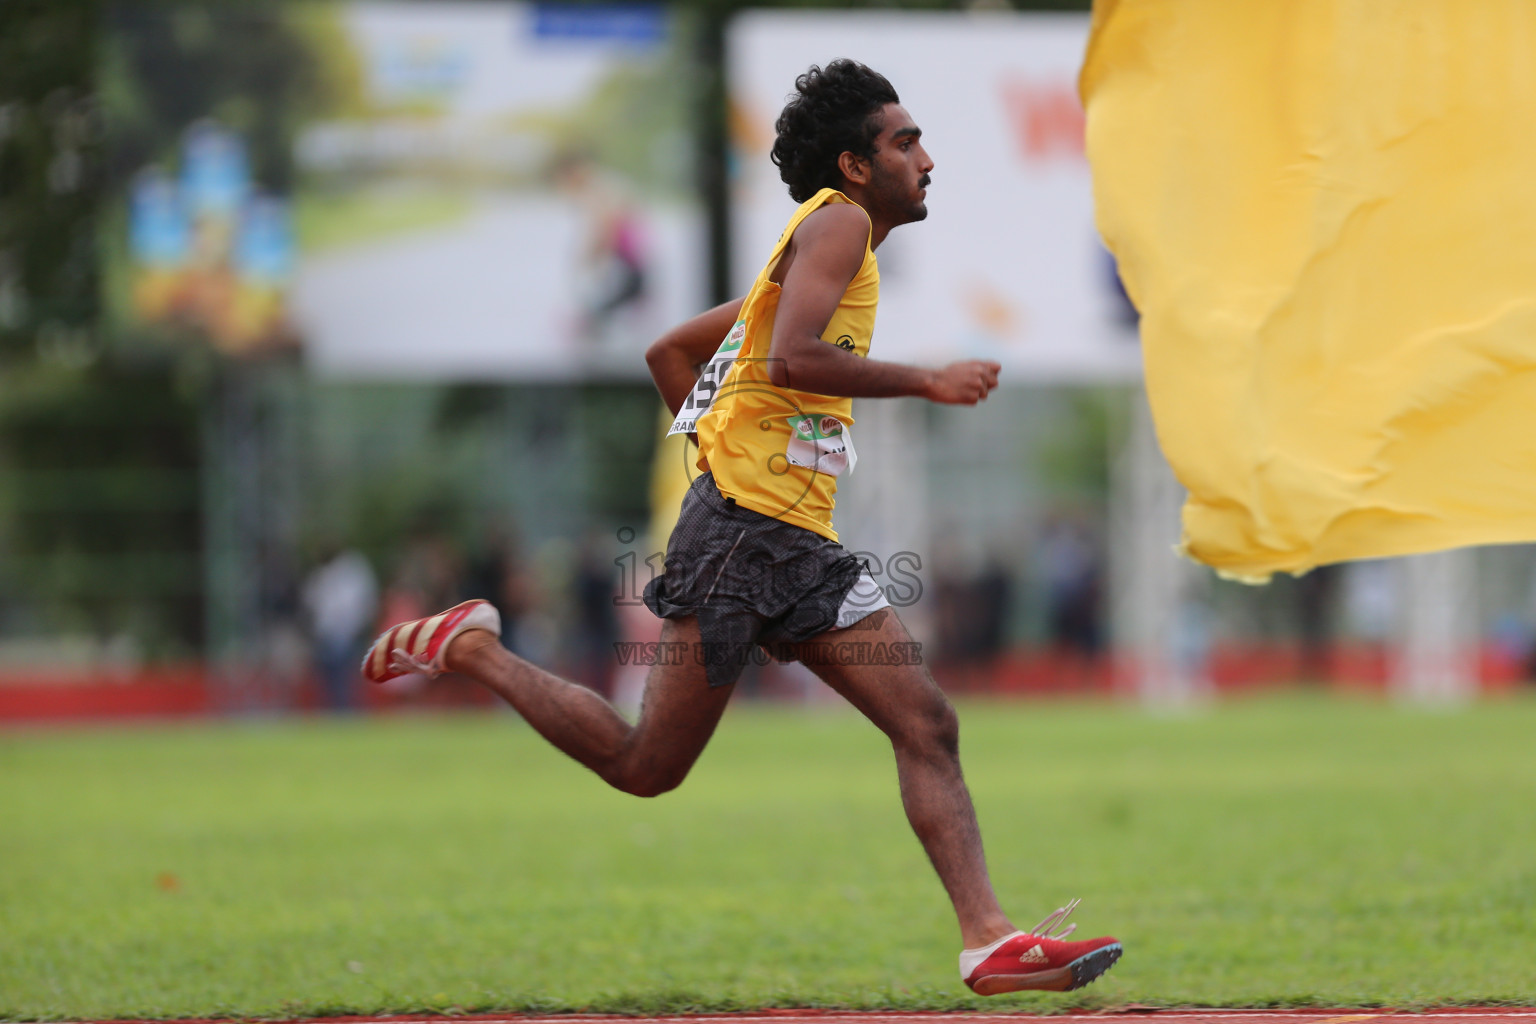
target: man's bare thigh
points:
(877, 667)
(680, 710)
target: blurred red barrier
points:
(188, 690)
(45, 696)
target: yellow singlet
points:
(776, 450)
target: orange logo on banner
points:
(1046, 119)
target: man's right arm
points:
(675, 357)
(829, 248)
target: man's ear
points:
(855, 168)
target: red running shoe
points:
(1036, 959)
(418, 646)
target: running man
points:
(753, 560)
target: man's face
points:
(899, 172)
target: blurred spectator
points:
(950, 600)
(1316, 597)
(431, 568)
(498, 574)
(1072, 569)
(1512, 641)
(972, 608)
(992, 603)
(1528, 636)
(612, 276)
(594, 587)
(1370, 599)
(428, 576)
(340, 596)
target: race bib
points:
(703, 394)
(822, 443)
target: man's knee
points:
(946, 727)
(933, 728)
(648, 781)
(655, 786)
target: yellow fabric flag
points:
(1326, 212)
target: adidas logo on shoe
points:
(1034, 955)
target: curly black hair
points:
(834, 110)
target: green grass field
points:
(1282, 851)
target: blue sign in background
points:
(633, 24)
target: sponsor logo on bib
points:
(822, 443)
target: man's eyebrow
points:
(910, 130)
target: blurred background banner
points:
(1008, 265)
(506, 196)
(198, 108)
(207, 248)
(454, 192)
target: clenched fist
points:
(963, 383)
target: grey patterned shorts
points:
(754, 581)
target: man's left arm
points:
(675, 358)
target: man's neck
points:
(878, 227)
